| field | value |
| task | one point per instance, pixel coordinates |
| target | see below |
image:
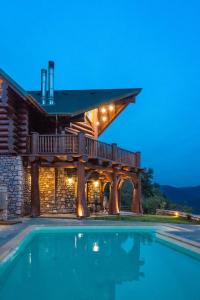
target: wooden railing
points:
(45, 144)
(98, 149)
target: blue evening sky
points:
(151, 44)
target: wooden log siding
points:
(70, 144)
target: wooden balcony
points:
(80, 145)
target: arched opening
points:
(126, 192)
(106, 196)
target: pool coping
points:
(162, 231)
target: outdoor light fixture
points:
(95, 247)
(104, 119)
(111, 107)
(96, 183)
(103, 110)
(69, 180)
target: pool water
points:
(62, 264)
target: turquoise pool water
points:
(62, 264)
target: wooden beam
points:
(114, 203)
(81, 203)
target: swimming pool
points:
(99, 263)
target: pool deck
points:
(11, 235)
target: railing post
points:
(81, 143)
(137, 159)
(34, 143)
(114, 152)
(62, 143)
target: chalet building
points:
(51, 161)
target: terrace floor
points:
(10, 235)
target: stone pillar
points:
(35, 196)
(11, 175)
(81, 203)
(3, 202)
(137, 207)
(114, 203)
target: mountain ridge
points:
(189, 196)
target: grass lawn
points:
(147, 218)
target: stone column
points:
(81, 203)
(114, 203)
(35, 197)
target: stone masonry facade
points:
(12, 177)
(57, 187)
(57, 194)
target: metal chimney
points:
(51, 83)
(43, 86)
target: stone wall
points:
(47, 190)
(27, 190)
(11, 176)
(57, 195)
(94, 196)
(65, 191)
(4, 205)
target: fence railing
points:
(79, 144)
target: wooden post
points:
(114, 203)
(35, 196)
(34, 143)
(137, 159)
(114, 152)
(81, 204)
(81, 143)
(137, 206)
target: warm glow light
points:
(95, 247)
(103, 110)
(104, 119)
(69, 180)
(97, 123)
(111, 107)
(80, 211)
(96, 183)
(176, 214)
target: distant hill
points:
(189, 196)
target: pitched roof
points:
(13, 83)
(73, 102)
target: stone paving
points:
(8, 232)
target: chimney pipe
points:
(43, 86)
(51, 82)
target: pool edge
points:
(162, 230)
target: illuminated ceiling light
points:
(95, 247)
(104, 119)
(103, 110)
(111, 107)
